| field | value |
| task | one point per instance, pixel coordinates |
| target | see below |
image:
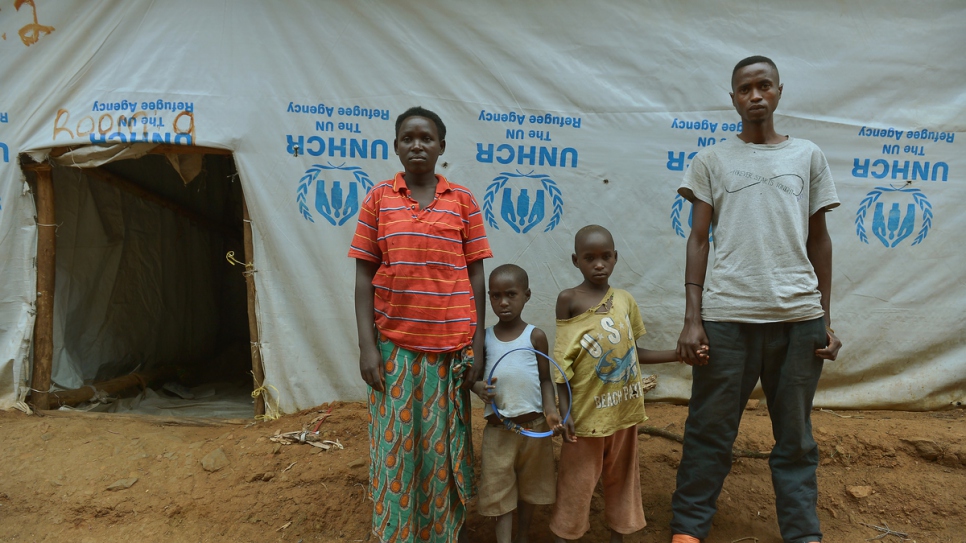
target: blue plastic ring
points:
(496, 411)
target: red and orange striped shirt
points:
(423, 298)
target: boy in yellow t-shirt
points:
(597, 330)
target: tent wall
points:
(593, 107)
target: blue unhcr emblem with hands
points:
(523, 207)
(676, 208)
(339, 191)
(896, 213)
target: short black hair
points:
(755, 59)
(514, 272)
(419, 111)
(587, 231)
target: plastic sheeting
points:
(213, 400)
(559, 114)
(136, 284)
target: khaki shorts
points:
(516, 468)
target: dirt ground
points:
(904, 471)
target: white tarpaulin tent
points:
(559, 114)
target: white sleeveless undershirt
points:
(518, 379)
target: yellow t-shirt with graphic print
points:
(597, 351)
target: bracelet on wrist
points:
(694, 284)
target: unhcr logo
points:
(339, 190)
(896, 214)
(677, 207)
(524, 201)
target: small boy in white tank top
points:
(517, 471)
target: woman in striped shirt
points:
(419, 299)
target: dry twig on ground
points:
(659, 432)
(830, 412)
(886, 531)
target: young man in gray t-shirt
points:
(764, 310)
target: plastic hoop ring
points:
(516, 427)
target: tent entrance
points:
(143, 296)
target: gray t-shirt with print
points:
(763, 196)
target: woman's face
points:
(418, 145)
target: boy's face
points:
(507, 297)
(595, 258)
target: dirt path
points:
(906, 471)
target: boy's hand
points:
(486, 391)
(568, 431)
(702, 353)
(553, 421)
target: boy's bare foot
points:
(684, 538)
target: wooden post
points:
(46, 262)
(112, 387)
(258, 372)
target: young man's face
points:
(418, 145)
(755, 92)
(507, 297)
(595, 258)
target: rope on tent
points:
(249, 267)
(230, 257)
(271, 412)
(56, 226)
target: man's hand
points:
(831, 350)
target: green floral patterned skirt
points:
(421, 454)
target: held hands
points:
(553, 421)
(566, 429)
(831, 349)
(702, 353)
(693, 345)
